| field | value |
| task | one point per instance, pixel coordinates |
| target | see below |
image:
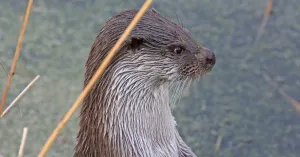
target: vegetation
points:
(235, 101)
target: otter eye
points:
(177, 50)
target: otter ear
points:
(134, 43)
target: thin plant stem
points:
(4, 69)
(264, 21)
(21, 149)
(16, 57)
(20, 96)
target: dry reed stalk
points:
(21, 149)
(291, 100)
(218, 143)
(264, 21)
(20, 96)
(4, 69)
(17, 54)
(93, 80)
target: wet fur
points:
(127, 113)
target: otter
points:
(127, 113)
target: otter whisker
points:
(174, 92)
(178, 91)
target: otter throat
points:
(138, 115)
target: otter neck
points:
(129, 116)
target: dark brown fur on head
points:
(156, 53)
(157, 35)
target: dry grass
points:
(22, 145)
(11, 74)
(264, 21)
(17, 54)
(4, 69)
(266, 16)
(290, 99)
(19, 96)
(218, 143)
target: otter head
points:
(157, 48)
(128, 108)
(170, 48)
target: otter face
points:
(170, 45)
(157, 48)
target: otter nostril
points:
(209, 61)
(210, 57)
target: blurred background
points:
(245, 107)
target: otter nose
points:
(210, 58)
